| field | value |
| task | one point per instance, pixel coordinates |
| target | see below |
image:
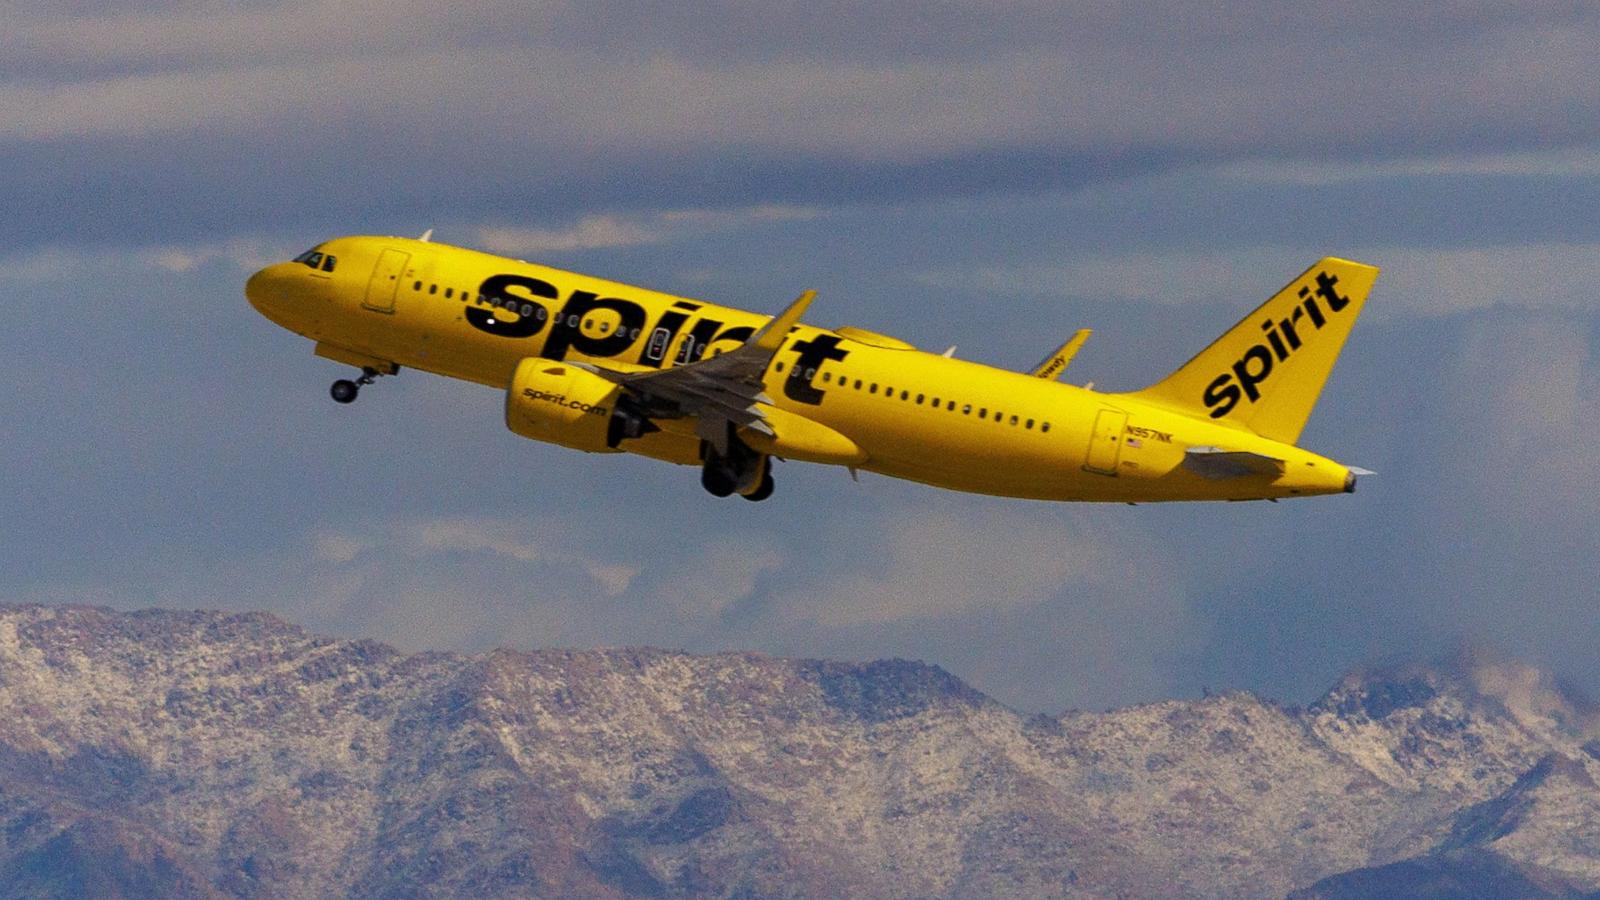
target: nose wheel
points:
(345, 391)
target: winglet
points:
(771, 335)
(1051, 367)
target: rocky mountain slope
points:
(209, 754)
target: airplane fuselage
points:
(396, 302)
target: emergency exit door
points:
(1105, 443)
(385, 281)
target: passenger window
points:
(328, 262)
(952, 406)
(966, 409)
(935, 403)
(1030, 423)
(1013, 420)
(919, 399)
(905, 395)
(827, 377)
(417, 286)
(998, 415)
(433, 289)
(1044, 426)
(858, 384)
(778, 367)
(810, 373)
(873, 389)
(449, 292)
(983, 412)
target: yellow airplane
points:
(606, 367)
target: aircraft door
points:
(385, 281)
(1105, 443)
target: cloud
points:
(1504, 505)
(551, 79)
(58, 261)
(706, 581)
(1415, 281)
(603, 231)
(938, 563)
(1578, 162)
(517, 543)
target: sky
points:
(989, 175)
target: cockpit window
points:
(328, 263)
(311, 258)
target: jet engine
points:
(562, 404)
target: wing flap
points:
(720, 391)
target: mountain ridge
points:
(197, 753)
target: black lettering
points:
(1222, 396)
(496, 290)
(1325, 283)
(700, 337)
(655, 352)
(1248, 379)
(1275, 340)
(810, 355)
(1314, 311)
(571, 336)
(738, 333)
(1287, 327)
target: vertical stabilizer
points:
(1267, 371)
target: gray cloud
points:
(298, 112)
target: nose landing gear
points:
(346, 391)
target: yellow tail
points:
(1265, 373)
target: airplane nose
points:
(255, 289)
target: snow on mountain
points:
(204, 754)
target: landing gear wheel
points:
(764, 491)
(344, 391)
(716, 480)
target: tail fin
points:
(1265, 373)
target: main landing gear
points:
(346, 391)
(743, 471)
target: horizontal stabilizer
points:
(1051, 367)
(1217, 463)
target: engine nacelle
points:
(563, 404)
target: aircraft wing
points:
(1215, 462)
(718, 390)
